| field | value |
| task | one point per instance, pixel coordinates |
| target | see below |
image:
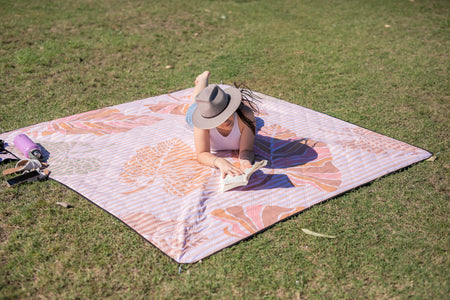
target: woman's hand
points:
(245, 164)
(226, 168)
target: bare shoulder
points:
(200, 132)
(249, 114)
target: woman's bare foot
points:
(202, 79)
(201, 82)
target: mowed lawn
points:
(380, 64)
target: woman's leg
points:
(201, 82)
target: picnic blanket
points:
(137, 161)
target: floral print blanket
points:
(137, 161)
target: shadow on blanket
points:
(284, 156)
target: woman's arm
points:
(205, 157)
(246, 152)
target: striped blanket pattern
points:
(137, 161)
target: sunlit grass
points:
(382, 65)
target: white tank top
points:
(229, 142)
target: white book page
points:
(230, 182)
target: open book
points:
(230, 182)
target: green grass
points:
(59, 58)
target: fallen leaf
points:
(307, 231)
(433, 157)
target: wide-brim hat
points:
(215, 106)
